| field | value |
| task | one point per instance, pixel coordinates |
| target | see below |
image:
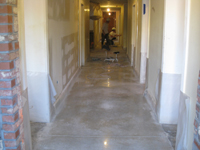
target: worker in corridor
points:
(105, 33)
(113, 36)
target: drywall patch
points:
(73, 68)
(64, 79)
(69, 47)
(59, 10)
(69, 73)
(70, 56)
(65, 63)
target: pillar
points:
(11, 117)
(172, 61)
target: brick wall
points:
(197, 120)
(10, 90)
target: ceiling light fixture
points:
(108, 9)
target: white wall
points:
(52, 50)
(173, 34)
(125, 38)
(64, 45)
(155, 47)
(192, 63)
(86, 19)
(134, 34)
(37, 59)
(24, 84)
(172, 61)
(144, 40)
(63, 41)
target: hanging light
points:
(108, 9)
(109, 14)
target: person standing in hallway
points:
(105, 33)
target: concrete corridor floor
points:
(105, 110)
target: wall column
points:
(172, 61)
(144, 40)
(11, 117)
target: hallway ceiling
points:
(104, 3)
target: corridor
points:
(105, 109)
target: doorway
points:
(82, 37)
(133, 41)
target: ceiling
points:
(113, 3)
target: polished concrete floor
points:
(105, 110)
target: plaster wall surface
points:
(63, 40)
(26, 121)
(22, 44)
(144, 40)
(172, 62)
(86, 5)
(137, 30)
(121, 21)
(24, 84)
(37, 59)
(125, 26)
(193, 63)
(155, 47)
(173, 33)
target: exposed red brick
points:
(6, 19)
(9, 102)
(5, 8)
(6, 29)
(13, 143)
(12, 127)
(11, 92)
(6, 47)
(196, 143)
(195, 124)
(6, 65)
(8, 75)
(2, 1)
(10, 136)
(10, 118)
(9, 56)
(198, 91)
(11, 110)
(18, 148)
(17, 45)
(198, 98)
(197, 108)
(7, 84)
